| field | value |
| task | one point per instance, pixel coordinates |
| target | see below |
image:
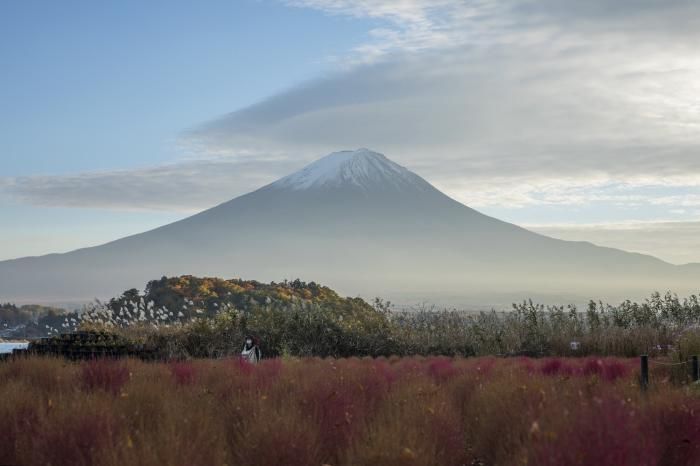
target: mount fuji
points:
(360, 223)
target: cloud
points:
(185, 186)
(422, 24)
(469, 91)
(513, 104)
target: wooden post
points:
(645, 372)
(696, 369)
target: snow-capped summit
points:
(361, 168)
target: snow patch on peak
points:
(361, 168)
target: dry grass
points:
(397, 411)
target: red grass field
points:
(410, 411)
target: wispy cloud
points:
(186, 186)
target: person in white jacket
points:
(251, 350)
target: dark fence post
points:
(696, 369)
(645, 372)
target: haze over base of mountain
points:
(363, 225)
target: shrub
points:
(73, 438)
(104, 374)
(183, 372)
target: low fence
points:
(692, 364)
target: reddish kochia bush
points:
(679, 430)
(609, 369)
(281, 437)
(338, 401)
(267, 373)
(602, 432)
(183, 372)
(18, 425)
(384, 370)
(104, 374)
(610, 431)
(73, 439)
(441, 369)
(554, 367)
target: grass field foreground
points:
(396, 411)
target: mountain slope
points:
(360, 223)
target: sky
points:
(576, 119)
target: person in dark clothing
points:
(251, 350)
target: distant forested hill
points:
(188, 296)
